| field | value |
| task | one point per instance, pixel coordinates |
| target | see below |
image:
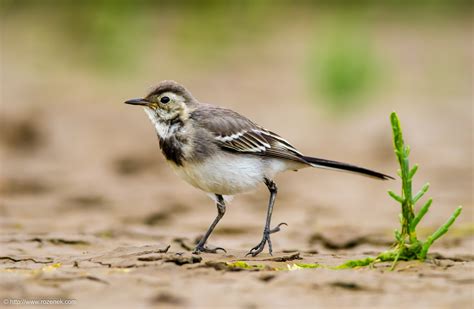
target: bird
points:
(224, 153)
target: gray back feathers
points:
(236, 133)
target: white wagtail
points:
(223, 153)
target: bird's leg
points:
(267, 231)
(220, 213)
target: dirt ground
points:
(91, 212)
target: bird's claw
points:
(205, 249)
(266, 238)
(277, 228)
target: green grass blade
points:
(413, 171)
(397, 133)
(355, 263)
(421, 214)
(440, 232)
(396, 197)
(422, 192)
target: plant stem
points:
(402, 153)
(440, 232)
(421, 214)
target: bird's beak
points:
(143, 102)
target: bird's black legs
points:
(267, 231)
(220, 213)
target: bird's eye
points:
(164, 100)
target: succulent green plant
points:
(407, 245)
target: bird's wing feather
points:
(234, 132)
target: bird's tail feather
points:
(328, 164)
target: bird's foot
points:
(205, 249)
(265, 239)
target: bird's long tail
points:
(328, 164)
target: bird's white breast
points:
(225, 173)
(229, 174)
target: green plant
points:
(407, 245)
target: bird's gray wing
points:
(236, 133)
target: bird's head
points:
(168, 100)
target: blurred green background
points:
(340, 52)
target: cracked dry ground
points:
(92, 270)
(114, 226)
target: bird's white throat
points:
(161, 127)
